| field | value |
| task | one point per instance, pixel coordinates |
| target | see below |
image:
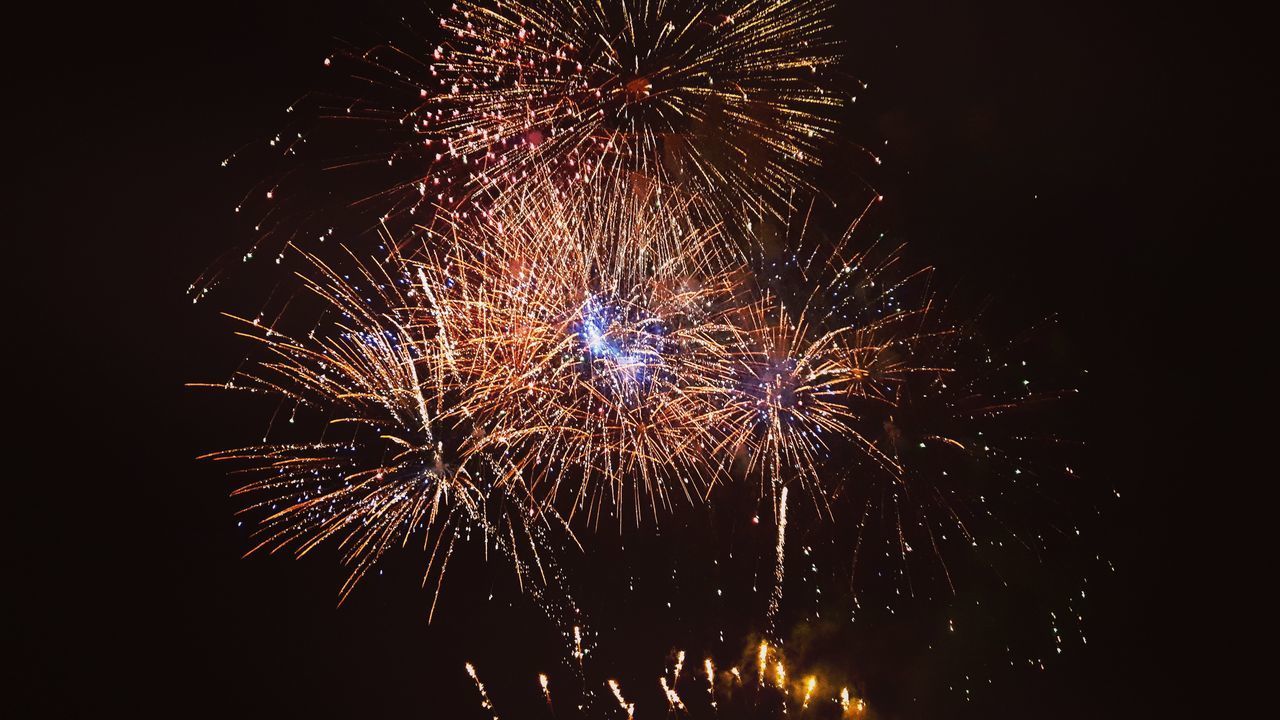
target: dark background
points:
(1060, 157)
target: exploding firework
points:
(811, 363)
(601, 386)
(385, 468)
(897, 426)
(725, 100)
(832, 331)
(726, 106)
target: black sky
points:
(1056, 157)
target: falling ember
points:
(762, 661)
(675, 676)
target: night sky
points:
(1048, 159)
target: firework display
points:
(571, 324)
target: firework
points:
(386, 468)
(495, 378)
(595, 376)
(727, 100)
(727, 106)
(843, 330)
(939, 437)
(390, 476)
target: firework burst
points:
(591, 352)
(384, 469)
(834, 331)
(724, 106)
(509, 371)
(725, 100)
